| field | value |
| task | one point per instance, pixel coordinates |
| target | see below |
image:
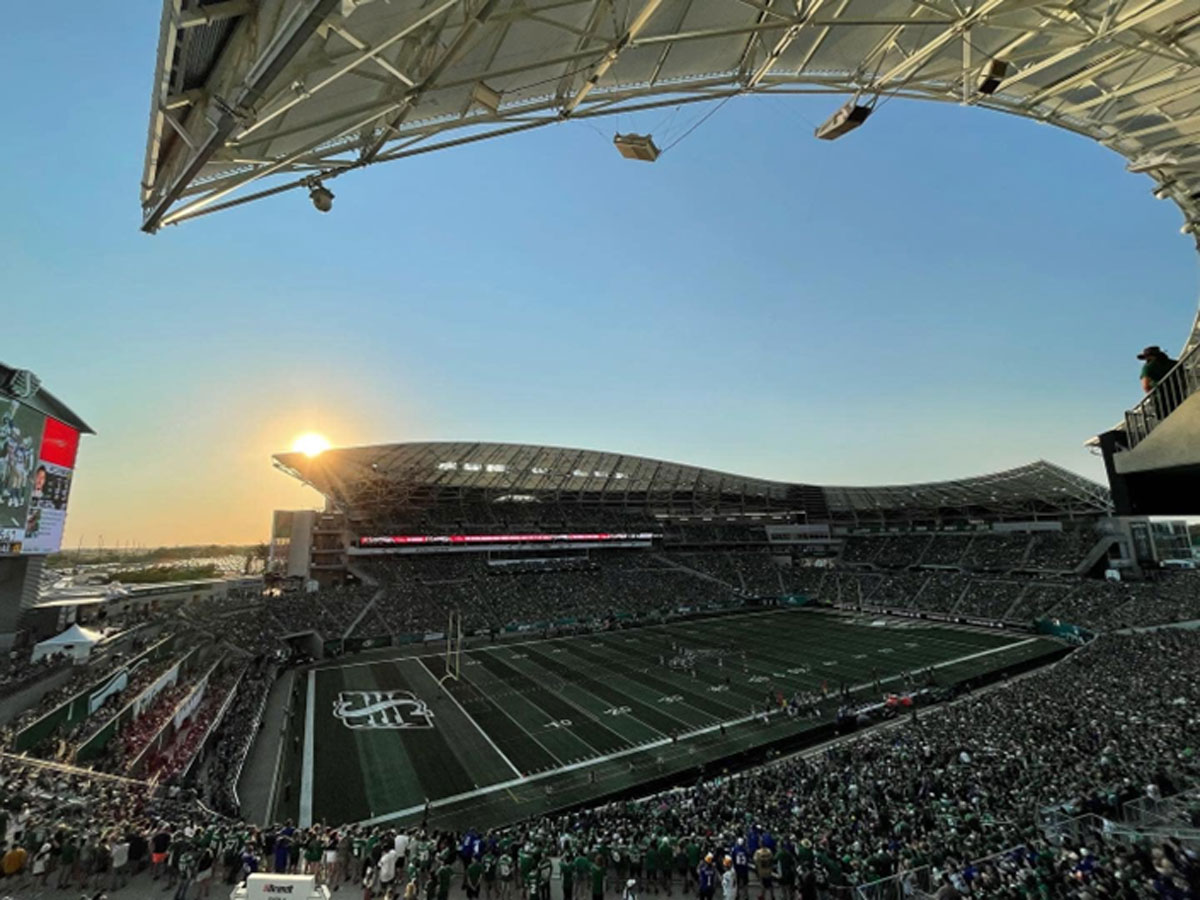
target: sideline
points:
(306, 767)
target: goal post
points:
(454, 642)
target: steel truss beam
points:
(1122, 72)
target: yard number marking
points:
(670, 698)
(559, 723)
(617, 711)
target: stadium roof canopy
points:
(406, 482)
(253, 97)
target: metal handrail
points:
(1176, 386)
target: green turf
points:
(537, 724)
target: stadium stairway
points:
(370, 581)
(1024, 560)
(1093, 556)
(1049, 611)
(675, 564)
(1008, 613)
(915, 600)
(961, 596)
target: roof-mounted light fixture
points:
(636, 146)
(844, 120)
(1163, 191)
(1148, 162)
(321, 196)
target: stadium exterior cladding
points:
(401, 487)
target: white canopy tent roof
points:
(77, 642)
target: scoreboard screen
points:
(37, 461)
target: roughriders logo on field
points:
(382, 709)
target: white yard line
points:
(510, 717)
(586, 712)
(653, 745)
(508, 762)
(306, 767)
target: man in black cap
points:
(1157, 365)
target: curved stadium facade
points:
(394, 487)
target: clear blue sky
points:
(945, 292)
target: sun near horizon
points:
(310, 444)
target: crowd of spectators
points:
(973, 781)
(253, 629)
(942, 591)
(62, 742)
(417, 594)
(72, 828)
(900, 550)
(752, 573)
(402, 597)
(1060, 550)
(93, 672)
(975, 798)
(987, 598)
(945, 550)
(169, 762)
(235, 734)
(996, 552)
(19, 673)
(68, 738)
(897, 590)
(1094, 603)
(137, 736)
(1040, 598)
(1057, 551)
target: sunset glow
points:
(310, 444)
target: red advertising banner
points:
(401, 540)
(60, 443)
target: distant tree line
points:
(152, 556)
(160, 574)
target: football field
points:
(533, 725)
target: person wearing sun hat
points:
(1156, 365)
